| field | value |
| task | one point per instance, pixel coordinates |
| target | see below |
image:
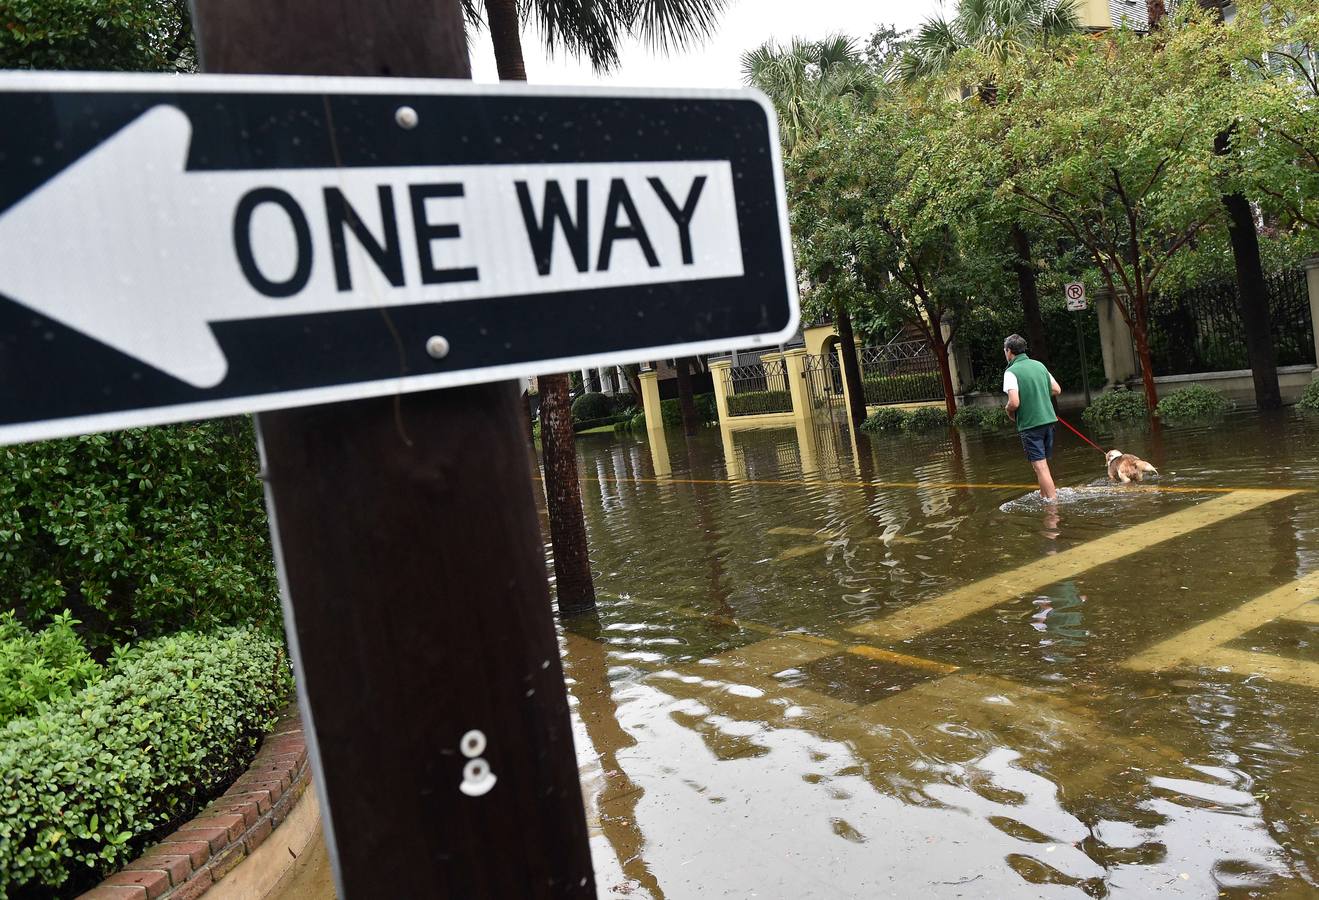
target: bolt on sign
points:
(176, 248)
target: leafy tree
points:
(806, 81)
(123, 35)
(1116, 148)
(991, 33)
(876, 212)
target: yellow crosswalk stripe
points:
(1195, 644)
(988, 592)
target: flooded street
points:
(876, 667)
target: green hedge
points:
(88, 783)
(757, 402)
(1309, 401)
(37, 668)
(586, 424)
(990, 418)
(908, 388)
(1115, 406)
(925, 418)
(129, 529)
(1194, 402)
(591, 406)
(885, 419)
(706, 411)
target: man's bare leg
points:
(1045, 478)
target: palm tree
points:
(996, 30)
(593, 29)
(804, 80)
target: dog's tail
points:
(1148, 469)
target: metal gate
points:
(824, 384)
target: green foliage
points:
(89, 782)
(39, 667)
(671, 410)
(753, 403)
(1309, 401)
(138, 532)
(128, 35)
(902, 388)
(1115, 406)
(990, 418)
(886, 419)
(1194, 402)
(925, 418)
(592, 406)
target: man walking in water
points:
(1030, 389)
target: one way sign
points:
(175, 247)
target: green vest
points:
(1036, 407)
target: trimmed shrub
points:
(925, 418)
(885, 419)
(1115, 406)
(755, 402)
(1309, 401)
(990, 418)
(85, 786)
(1194, 402)
(902, 388)
(706, 411)
(592, 406)
(39, 667)
(128, 530)
(587, 424)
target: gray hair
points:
(1015, 343)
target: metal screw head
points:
(437, 346)
(406, 117)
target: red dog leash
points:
(1081, 436)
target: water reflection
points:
(740, 739)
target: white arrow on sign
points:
(128, 247)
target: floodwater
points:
(876, 667)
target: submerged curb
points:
(186, 863)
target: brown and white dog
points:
(1124, 467)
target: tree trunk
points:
(690, 423)
(563, 494)
(851, 365)
(563, 497)
(1252, 292)
(505, 36)
(632, 374)
(1155, 10)
(1141, 338)
(1030, 296)
(946, 376)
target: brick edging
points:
(187, 862)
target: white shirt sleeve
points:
(1009, 382)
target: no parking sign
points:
(1075, 292)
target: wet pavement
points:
(876, 667)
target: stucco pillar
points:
(1120, 363)
(624, 386)
(650, 399)
(794, 364)
(719, 375)
(1312, 284)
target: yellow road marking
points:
(1306, 612)
(1275, 668)
(948, 485)
(1194, 644)
(902, 659)
(996, 589)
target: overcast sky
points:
(716, 62)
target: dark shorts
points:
(1037, 442)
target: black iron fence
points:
(1200, 329)
(900, 372)
(758, 389)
